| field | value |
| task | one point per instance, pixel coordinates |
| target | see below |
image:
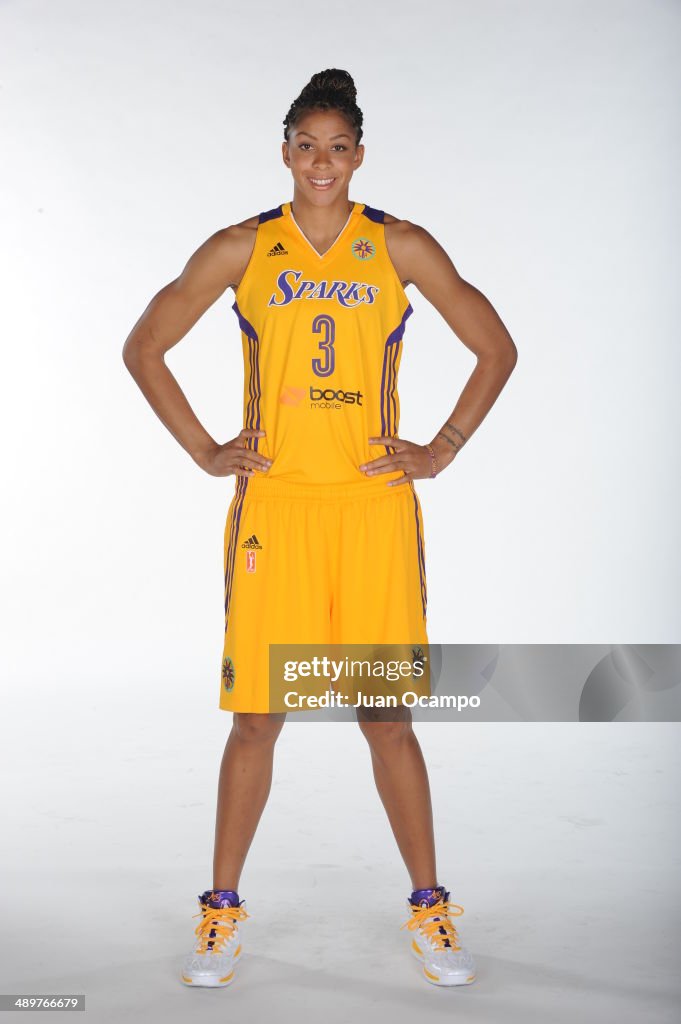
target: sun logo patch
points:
(363, 249)
(228, 674)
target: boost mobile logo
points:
(318, 395)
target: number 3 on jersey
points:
(325, 325)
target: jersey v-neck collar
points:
(288, 212)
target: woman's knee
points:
(254, 728)
(380, 733)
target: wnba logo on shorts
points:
(250, 561)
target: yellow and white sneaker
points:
(218, 945)
(435, 941)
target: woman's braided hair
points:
(332, 89)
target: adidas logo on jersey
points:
(252, 542)
(278, 250)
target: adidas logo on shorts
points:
(278, 250)
(252, 542)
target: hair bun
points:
(333, 89)
(333, 80)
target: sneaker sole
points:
(434, 979)
(209, 980)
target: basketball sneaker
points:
(435, 941)
(218, 946)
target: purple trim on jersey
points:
(271, 214)
(244, 324)
(399, 330)
(388, 377)
(253, 406)
(252, 416)
(378, 216)
(393, 387)
(391, 406)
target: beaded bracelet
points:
(432, 458)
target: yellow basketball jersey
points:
(322, 341)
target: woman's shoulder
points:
(397, 226)
(409, 245)
(247, 225)
(250, 224)
(399, 232)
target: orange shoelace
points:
(435, 924)
(221, 920)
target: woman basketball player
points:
(324, 535)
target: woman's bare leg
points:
(402, 783)
(243, 787)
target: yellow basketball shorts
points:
(317, 564)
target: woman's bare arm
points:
(419, 259)
(216, 265)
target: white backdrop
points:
(536, 141)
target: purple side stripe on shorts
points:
(421, 554)
(240, 494)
